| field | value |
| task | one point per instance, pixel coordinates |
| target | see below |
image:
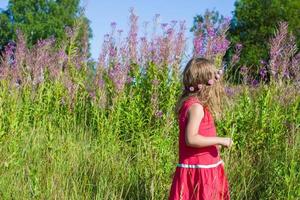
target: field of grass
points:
(53, 149)
(69, 132)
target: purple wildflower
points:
(263, 72)
(159, 114)
(113, 25)
(236, 56)
(282, 51)
(164, 25)
(243, 70)
(229, 91)
(254, 83)
(118, 74)
(210, 41)
(173, 23)
(179, 44)
(132, 37)
(144, 53)
(129, 80)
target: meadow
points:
(71, 131)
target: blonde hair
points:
(200, 71)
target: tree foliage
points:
(40, 19)
(255, 21)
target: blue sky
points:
(101, 13)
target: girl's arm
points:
(192, 138)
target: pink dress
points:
(200, 174)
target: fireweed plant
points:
(68, 130)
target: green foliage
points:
(60, 145)
(5, 29)
(265, 128)
(254, 22)
(56, 146)
(42, 19)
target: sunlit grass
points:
(52, 150)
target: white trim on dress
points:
(199, 166)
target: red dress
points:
(200, 174)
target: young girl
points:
(200, 172)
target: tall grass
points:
(69, 133)
(50, 150)
(264, 124)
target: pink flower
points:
(192, 88)
(210, 81)
(200, 86)
(159, 114)
(218, 76)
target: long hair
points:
(200, 71)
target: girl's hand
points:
(219, 147)
(227, 142)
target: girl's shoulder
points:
(187, 103)
(191, 100)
